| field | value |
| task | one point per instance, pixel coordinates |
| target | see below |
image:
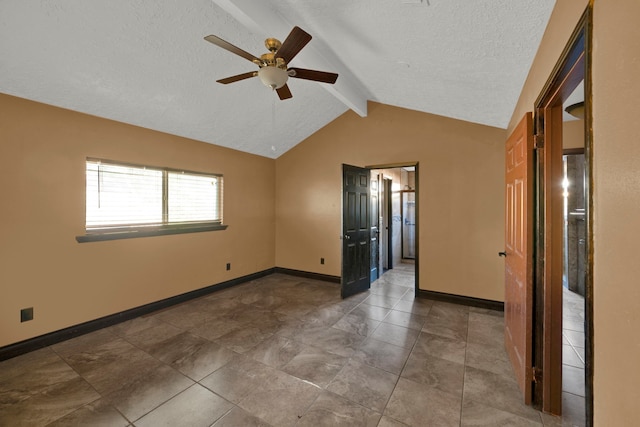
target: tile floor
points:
(279, 351)
(573, 379)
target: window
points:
(125, 201)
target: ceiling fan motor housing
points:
(272, 44)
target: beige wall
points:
(42, 163)
(616, 91)
(616, 193)
(573, 134)
(460, 190)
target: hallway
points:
(280, 351)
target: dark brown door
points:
(518, 304)
(375, 232)
(356, 239)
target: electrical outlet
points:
(228, 266)
(26, 314)
(321, 260)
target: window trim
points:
(125, 232)
(131, 233)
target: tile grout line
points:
(401, 370)
(464, 375)
(91, 385)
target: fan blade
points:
(231, 48)
(284, 92)
(318, 76)
(295, 41)
(237, 78)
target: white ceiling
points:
(145, 62)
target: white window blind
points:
(194, 197)
(132, 196)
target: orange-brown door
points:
(518, 304)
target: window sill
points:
(144, 232)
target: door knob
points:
(347, 237)
(504, 254)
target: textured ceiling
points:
(145, 62)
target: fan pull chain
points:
(273, 120)
(273, 114)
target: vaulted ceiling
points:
(146, 63)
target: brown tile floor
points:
(278, 351)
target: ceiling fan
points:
(273, 71)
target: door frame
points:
(573, 66)
(374, 225)
(415, 165)
(387, 221)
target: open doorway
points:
(397, 221)
(398, 218)
(574, 272)
(563, 329)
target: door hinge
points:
(538, 141)
(536, 374)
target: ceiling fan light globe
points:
(273, 77)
